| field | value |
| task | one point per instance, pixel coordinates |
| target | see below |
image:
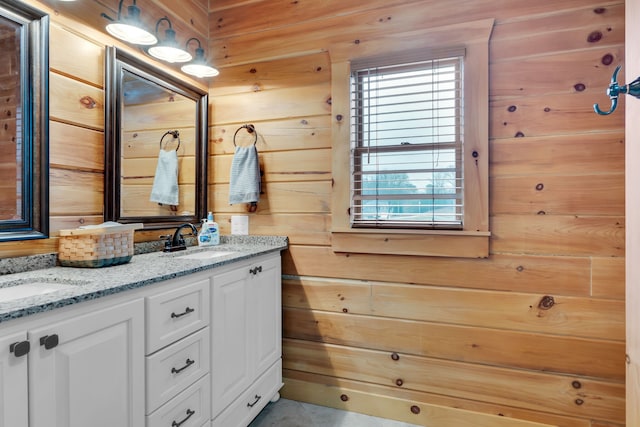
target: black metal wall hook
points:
(614, 90)
(250, 129)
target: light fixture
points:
(199, 67)
(130, 28)
(168, 49)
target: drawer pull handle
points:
(251, 405)
(186, 311)
(255, 270)
(179, 423)
(188, 363)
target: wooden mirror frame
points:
(33, 125)
(116, 62)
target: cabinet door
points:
(230, 358)
(89, 370)
(13, 381)
(266, 313)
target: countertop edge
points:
(126, 276)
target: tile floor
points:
(290, 413)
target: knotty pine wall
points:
(531, 336)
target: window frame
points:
(472, 241)
(411, 62)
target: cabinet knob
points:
(255, 270)
(49, 341)
(190, 412)
(20, 348)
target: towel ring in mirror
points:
(175, 134)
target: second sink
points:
(30, 289)
(206, 254)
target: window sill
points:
(415, 242)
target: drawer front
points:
(246, 407)
(176, 313)
(173, 368)
(190, 408)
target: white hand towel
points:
(165, 183)
(244, 183)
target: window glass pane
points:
(420, 105)
(407, 146)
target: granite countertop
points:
(144, 269)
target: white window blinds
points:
(406, 143)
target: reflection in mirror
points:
(156, 145)
(24, 160)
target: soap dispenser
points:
(204, 236)
(214, 230)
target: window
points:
(406, 144)
(410, 152)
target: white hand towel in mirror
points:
(165, 182)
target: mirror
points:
(155, 145)
(24, 121)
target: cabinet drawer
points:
(175, 367)
(246, 407)
(189, 408)
(176, 313)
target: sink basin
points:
(206, 255)
(30, 289)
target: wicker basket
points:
(96, 247)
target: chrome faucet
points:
(176, 242)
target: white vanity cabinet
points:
(88, 369)
(200, 350)
(14, 409)
(246, 343)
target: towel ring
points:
(175, 134)
(250, 129)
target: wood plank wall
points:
(533, 335)
(76, 127)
